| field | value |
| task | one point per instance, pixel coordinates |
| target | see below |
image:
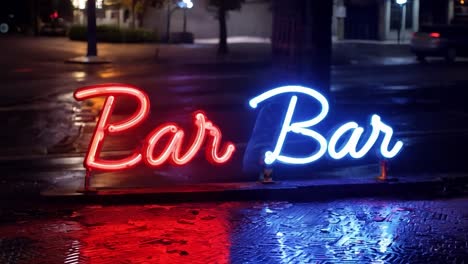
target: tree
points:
(301, 40)
(224, 6)
(138, 7)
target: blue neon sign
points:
(305, 128)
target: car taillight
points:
(435, 35)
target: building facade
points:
(254, 19)
(108, 12)
(384, 19)
(375, 19)
(352, 19)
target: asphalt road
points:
(32, 68)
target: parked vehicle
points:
(8, 24)
(448, 41)
(57, 27)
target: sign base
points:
(266, 176)
(88, 60)
(87, 191)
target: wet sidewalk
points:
(343, 231)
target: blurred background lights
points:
(81, 4)
(185, 4)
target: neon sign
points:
(206, 131)
(178, 150)
(305, 128)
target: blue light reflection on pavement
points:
(351, 231)
(360, 231)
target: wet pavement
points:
(343, 231)
(47, 132)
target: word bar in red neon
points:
(207, 132)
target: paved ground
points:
(47, 130)
(344, 231)
(45, 134)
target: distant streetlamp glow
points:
(401, 2)
(181, 4)
(81, 4)
(185, 4)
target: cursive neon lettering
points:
(172, 152)
(173, 149)
(350, 147)
(103, 127)
(212, 152)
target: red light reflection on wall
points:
(173, 150)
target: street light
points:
(402, 4)
(181, 4)
(185, 4)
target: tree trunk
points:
(302, 41)
(168, 23)
(222, 47)
(92, 38)
(132, 24)
(318, 45)
(33, 13)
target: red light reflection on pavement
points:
(126, 234)
(160, 234)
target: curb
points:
(287, 191)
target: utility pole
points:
(168, 22)
(35, 15)
(403, 22)
(92, 38)
(181, 4)
(185, 20)
(402, 28)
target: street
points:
(342, 231)
(50, 131)
(47, 133)
(232, 131)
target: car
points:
(8, 24)
(448, 41)
(56, 27)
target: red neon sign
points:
(173, 150)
